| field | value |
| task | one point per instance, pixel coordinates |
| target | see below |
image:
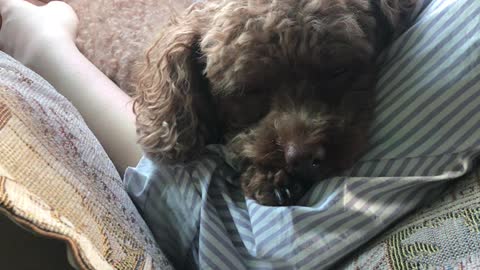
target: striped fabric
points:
(426, 131)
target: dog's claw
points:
(279, 197)
(287, 192)
(282, 195)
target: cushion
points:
(426, 131)
(56, 180)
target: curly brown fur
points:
(285, 84)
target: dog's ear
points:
(393, 18)
(173, 106)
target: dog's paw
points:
(272, 188)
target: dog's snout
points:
(295, 157)
(301, 158)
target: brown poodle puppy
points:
(285, 84)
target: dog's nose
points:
(295, 157)
(301, 159)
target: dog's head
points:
(308, 55)
(319, 65)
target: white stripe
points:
(426, 34)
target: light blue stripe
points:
(425, 38)
(227, 257)
(387, 117)
(432, 118)
(456, 130)
(302, 228)
(418, 73)
(439, 166)
(347, 246)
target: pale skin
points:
(42, 38)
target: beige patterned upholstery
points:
(56, 179)
(444, 234)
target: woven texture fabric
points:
(56, 179)
(442, 235)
